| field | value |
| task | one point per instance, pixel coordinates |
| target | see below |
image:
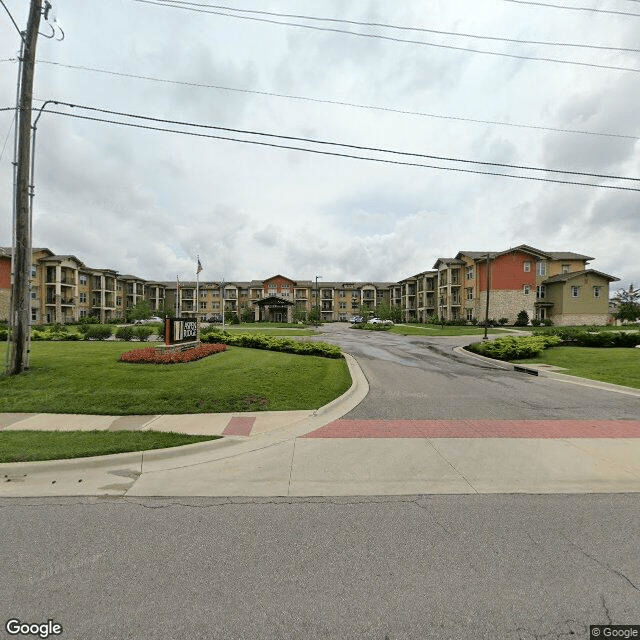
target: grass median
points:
(614, 365)
(87, 378)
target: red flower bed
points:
(151, 355)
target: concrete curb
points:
(212, 450)
(543, 373)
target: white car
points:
(378, 321)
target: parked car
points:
(356, 320)
(378, 321)
(150, 320)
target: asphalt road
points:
(426, 567)
(415, 377)
(494, 567)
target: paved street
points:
(350, 538)
(376, 568)
(421, 378)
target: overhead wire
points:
(343, 102)
(399, 27)
(348, 146)
(569, 8)
(394, 39)
(15, 24)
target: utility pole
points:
(486, 315)
(21, 318)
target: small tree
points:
(628, 304)
(366, 312)
(140, 311)
(523, 319)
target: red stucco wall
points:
(5, 273)
(507, 272)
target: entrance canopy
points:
(274, 309)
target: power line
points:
(399, 27)
(560, 6)
(12, 20)
(393, 39)
(343, 103)
(345, 155)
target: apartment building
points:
(554, 285)
(557, 286)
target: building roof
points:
(440, 261)
(563, 277)
(553, 255)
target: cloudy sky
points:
(147, 202)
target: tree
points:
(365, 312)
(628, 304)
(523, 319)
(140, 311)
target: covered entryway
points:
(274, 309)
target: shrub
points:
(124, 333)
(98, 332)
(151, 355)
(503, 321)
(522, 319)
(536, 322)
(547, 322)
(583, 337)
(371, 327)
(4, 333)
(271, 343)
(512, 348)
(143, 332)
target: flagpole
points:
(197, 305)
(177, 297)
(222, 284)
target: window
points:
(470, 293)
(526, 289)
(203, 305)
(33, 272)
(566, 268)
(541, 291)
(575, 292)
(34, 295)
(285, 286)
(83, 297)
(469, 313)
(34, 315)
(596, 292)
(527, 266)
(541, 268)
(469, 273)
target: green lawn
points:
(86, 377)
(618, 366)
(437, 330)
(27, 446)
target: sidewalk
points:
(314, 453)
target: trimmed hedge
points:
(272, 343)
(372, 327)
(573, 337)
(512, 348)
(151, 355)
(98, 332)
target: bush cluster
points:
(372, 327)
(272, 343)
(583, 337)
(141, 332)
(151, 355)
(53, 332)
(96, 331)
(512, 348)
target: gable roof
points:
(563, 277)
